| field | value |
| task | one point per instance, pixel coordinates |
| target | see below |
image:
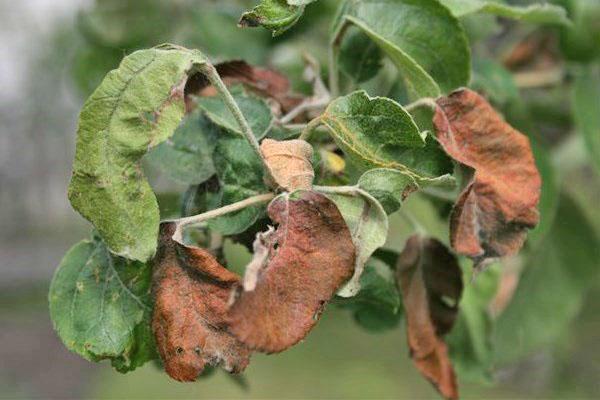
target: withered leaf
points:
(499, 204)
(431, 283)
(191, 293)
(289, 162)
(311, 255)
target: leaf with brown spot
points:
(311, 255)
(289, 162)
(499, 204)
(191, 292)
(431, 283)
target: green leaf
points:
(470, 341)
(579, 42)
(136, 107)
(360, 58)
(435, 63)
(537, 13)
(100, 306)
(388, 186)
(378, 133)
(495, 81)
(275, 15)
(586, 108)
(255, 110)
(187, 156)
(377, 306)
(300, 2)
(551, 288)
(368, 224)
(240, 174)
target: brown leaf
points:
(431, 284)
(289, 162)
(311, 255)
(191, 293)
(499, 204)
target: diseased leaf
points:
(187, 156)
(498, 205)
(275, 15)
(255, 110)
(431, 283)
(389, 186)
(191, 291)
(551, 288)
(376, 132)
(100, 306)
(136, 107)
(586, 108)
(360, 57)
(436, 63)
(538, 13)
(368, 224)
(289, 162)
(311, 255)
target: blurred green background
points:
(53, 53)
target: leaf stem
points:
(424, 102)
(196, 219)
(312, 125)
(211, 73)
(334, 84)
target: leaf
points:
(360, 58)
(499, 203)
(310, 256)
(275, 15)
(436, 63)
(376, 132)
(368, 224)
(537, 13)
(136, 107)
(586, 103)
(240, 174)
(470, 341)
(192, 291)
(257, 112)
(579, 41)
(187, 156)
(100, 306)
(431, 283)
(552, 287)
(377, 306)
(289, 162)
(389, 186)
(300, 2)
(495, 81)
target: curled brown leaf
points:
(191, 297)
(431, 283)
(311, 255)
(499, 204)
(289, 162)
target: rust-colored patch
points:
(499, 204)
(431, 284)
(311, 255)
(191, 291)
(289, 162)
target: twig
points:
(424, 102)
(309, 128)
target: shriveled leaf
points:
(311, 255)
(275, 15)
(437, 62)
(100, 306)
(360, 57)
(368, 224)
(499, 204)
(289, 162)
(538, 13)
(191, 296)
(551, 288)
(136, 107)
(187, 156)
(470, 342)
(376, 132)
(586, 108)
(431, 283)
(255, 110)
